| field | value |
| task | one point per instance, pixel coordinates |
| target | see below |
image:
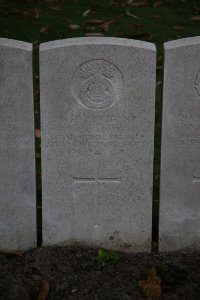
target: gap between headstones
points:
(36, 97)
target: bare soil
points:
(73, 273)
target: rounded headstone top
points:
(182, 43)
(15, 44)
(97, 41)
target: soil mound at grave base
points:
(73, 274)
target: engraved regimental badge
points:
(197, 83)
(97, 84)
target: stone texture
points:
(17, 147)
(97, 113)
(180, 153)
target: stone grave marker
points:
(180, 153)
(97, 121)
(17, 147)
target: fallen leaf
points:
(94, 34)
(89, 25)
(36, 44)
(130, 14)
(17, 253)
(106, 25)
(152, 286)
(157, 4)
(36, 13)
(195, 18)
(55, 7)
(44, 290)
(44, 30)
(114, 3)
(178, 27)
(27, 13)
(36, 93)
(136, 4)
(38, 133)
(133, 26)
(157, 17)
(93, 21)
(74, 26)
(86, 13)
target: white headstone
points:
(180, 154)
(97, 113)
(17, 147)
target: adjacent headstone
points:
(17, 147)
(180, 154)
(97, 120)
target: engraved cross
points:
(97, 179)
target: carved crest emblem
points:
(97, 84)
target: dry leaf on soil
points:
(195, 18)
(136, 4)
(36, 14)
(178, 27)
(36, 44)
(94, 34)
(74, 26)
(36, 93)
(157, 17)
(44, 30)
(133, 26)
(93, 22)
(152, 286)
(131, 15)
(86, 13)
(55, 7)
(17, 253)
(157, 4)
(44, 290)
(106, 25)
(38, 133)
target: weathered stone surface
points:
(17, 147)
(180, 155)
(97, 113)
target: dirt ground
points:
(73, 274)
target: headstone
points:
(97, 114)
(17, 147)
(180, 153)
